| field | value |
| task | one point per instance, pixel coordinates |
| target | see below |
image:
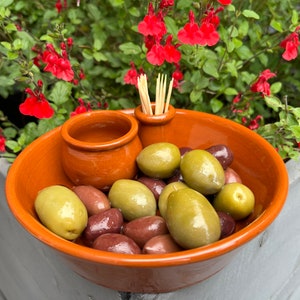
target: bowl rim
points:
(151, 260)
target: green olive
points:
(133, 198)
(236, 199)
(202, 171)
(191, 219)
(159, 160)
(163, 198)
(61, 211)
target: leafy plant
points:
(103, 48)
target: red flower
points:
(190, 33)
(166, 3)
(290, 44)
(237, 98)
(262, 85)
(81, 108)
(177, 77)
(156, 56)
(211, 16)
(224, 2)
(56, 64)
(131, 77)
(36, 105)
(149, 42)
(2, 143)
(172, 55)
(152, 25)
(59, 6)
(254, 124)
(209, 35)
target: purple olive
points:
(155, 185)
(108, 221)
(117, 243)
(161, 244)
(227, 224)
(176, 177)
(184, 150)
(144, 228)
(222, 153)
(231, 176)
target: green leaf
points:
(237, 43)
(231, 68)
(244, 52)
(99, 56)
(97, 44)
(17, 44)
(87, 53)
(11, 55)
(230, 91)
(296, 112)
(276, 25)
(6, 45)
(10, 132)
(5, 81)
(230, 46)
(210, 68)
(273, 102)
(13, 145)
(171, 25)
(116, 3)
(6, 3)
(130, 48)
(134, 11)
(61, 92)
(10, 27)
(296, 131)
(47, 38)
(216, 105)
(243, 28)
(276, 87)
(250, 14)
(263, 58)
(196, 96)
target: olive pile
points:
(182, 198)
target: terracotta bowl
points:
(258, 164)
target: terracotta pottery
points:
(100, 147)
(155, 128)
(255, 160)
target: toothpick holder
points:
(155, 128)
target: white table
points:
(266, 268)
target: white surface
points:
(266, 268)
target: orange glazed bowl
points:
(255, 160)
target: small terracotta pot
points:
(100, 147)
(155, 128)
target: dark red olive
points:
(155, 185)
(144, 228)
(227, 224)
(176, 177)
(231, 176)
(184, 150)
(222, 153)
(108, 221)
(117, 243)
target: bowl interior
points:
(258, 164)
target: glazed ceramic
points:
(155, 128)
(258, 164)
(100, 147)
